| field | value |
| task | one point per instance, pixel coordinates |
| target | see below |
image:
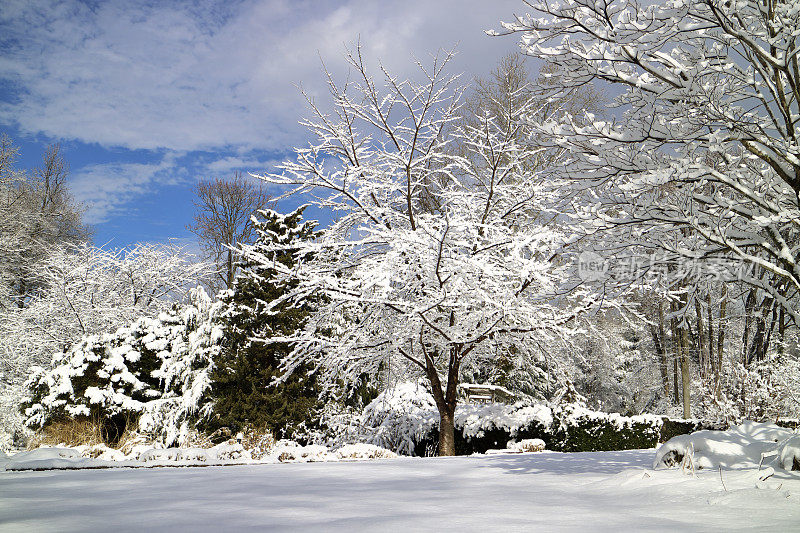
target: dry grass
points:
(196, 439)
(89, 432)
(130, 439)
(258, 441)
(73, 432)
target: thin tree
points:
(223, 219)
(423, 292)
(38, 216)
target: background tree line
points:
(462, 214)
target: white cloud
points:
(225, 165)
(216, 75)
(106, 188)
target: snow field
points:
(550, 491)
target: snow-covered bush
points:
(400, 417)
(364, 451)
(83, 291)
(288, 451)
(404, 419)
(154, 371)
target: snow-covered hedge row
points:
(404, 419)
(155, 371)
(101, 456)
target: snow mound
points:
(364, 451)
(523, 446)
(44, 458)
(102, 452)
(187, 455)
(43, 454)
(527, 445)
(789, 453)
(743, 446)
(291, 452)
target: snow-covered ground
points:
(596, 491)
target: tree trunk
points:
(685, 377)
(662, 360)
(723, 304)
(711, 360)
(663, 349)
(683, 356)
(676, 351)
(770, 328)
(447, 432)
(446, 400)
(749, 306)
(229, 280)
(702, 345)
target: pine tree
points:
(243, 381)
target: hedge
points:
(574, 429)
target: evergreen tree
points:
(243, 381)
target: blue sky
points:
(148, 97)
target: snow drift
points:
(748, 445)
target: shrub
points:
(582, 430)
(258, 441)
(153, 372)
(364, 451)
(527, 445)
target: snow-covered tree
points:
(223, 220)
(88, 290)
(243, 381)
(430, 263)
(704, 138)
(698, 166)
(37, 215)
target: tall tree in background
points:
(512, 95)
(223, 219)
(703, 164)
(243, 379)
(37, 216)
(512, 85)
